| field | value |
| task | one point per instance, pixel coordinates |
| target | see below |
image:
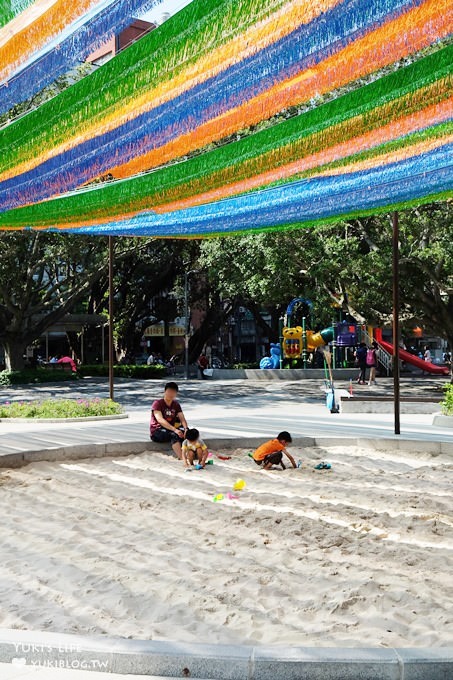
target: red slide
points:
(411, 359)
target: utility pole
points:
(396, 322)
(187, 320)
(111, 344)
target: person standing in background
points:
(203, 364)
(371, 362)
(360, 356)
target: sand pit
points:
(135, 547)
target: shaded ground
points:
(135, 394)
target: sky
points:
(171, 6)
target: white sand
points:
(360, 555)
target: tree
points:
(347, 266)
(145, 272)
(42, 277)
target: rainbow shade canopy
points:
(357, 96)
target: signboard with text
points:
(156, 330)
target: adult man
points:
(168, 423)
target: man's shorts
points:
(273, 458)
(162, 435)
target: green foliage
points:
(35, 375)
(42, 278)
(244, 365)
(60, 408)
(447, 403)
(142, 372)
(344, 266)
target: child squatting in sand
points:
(194, 446)
(271, 453)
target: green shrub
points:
(60, 408)
(120, 371)
(35, 375)
(447, 403)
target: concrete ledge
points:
(81, 419)
(442, 421)
(275, 374)
(379, 406)
(222, 662)
(324, 663)
(422, 664)
(83, 451)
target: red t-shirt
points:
(168, 412)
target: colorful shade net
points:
(217, 68)
(10, 8)
(52, 37)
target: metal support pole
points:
(187, 319)
(396, 322)
(334, 347)
(280, 335)
(111, 345)
(186, 325)
(304, 341)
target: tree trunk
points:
(214, 319)
(14, 355)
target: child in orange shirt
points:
(271, 453)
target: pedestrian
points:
(203, 364)
(68, 360)
(371, 362)
(427, 354)
(360, 355)
(168, 423)
(171, 365)
(150, 359)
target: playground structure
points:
(409, 358)
(298, 342)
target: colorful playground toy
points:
(239, 485)
(231, 496)
(218, 497)
(298, 341)
(274, 360)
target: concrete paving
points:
(21, 672)
(27, 655)
(220, 409)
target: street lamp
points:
(186, 320)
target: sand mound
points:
(359, 555)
